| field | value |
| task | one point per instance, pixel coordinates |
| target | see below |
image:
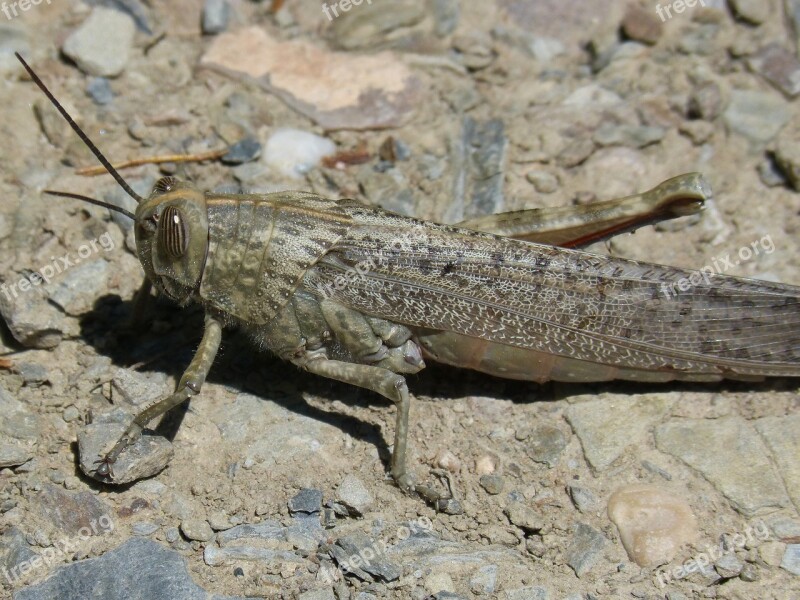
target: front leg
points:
(189, 385)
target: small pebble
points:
(524, 517)
(486, 465)
(642, 25)
(243, 151)
(354, 495)
(71, 413)
(197, 529)
(750, 573)
(447, 460)
(772, 553)
(583, 499)
(754, 12)
(306, 501)
(56, 477)
(544, 182)
(216, 14)
(99, 90)
(493, 484)
(144, 528)
(729, 566)
(172, 534)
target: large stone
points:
(138, 569)
(607, 426)
(73, 513)
(758, 116)
(585, 549)
(782, 436)
(147, 456)
(101, 46)
(728, 453)
(381, 91)
(19, 431)
(653, 524)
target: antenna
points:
(119, 209)
(85, 138)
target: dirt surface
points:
(603, 117)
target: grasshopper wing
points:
(580, 308)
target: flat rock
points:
(19, 431)
(545, 444)
(607, 426)
(782, 437)
(754, 12)
(77, 292)
(251, 533)
(787, 155)
(712, 447)
(146, 457)
(353, 494)
(139, 388)
(138, 569)
(70, 513)
(778, 66)
(585, 549)
(791, 559)
(642, 25)
(32, 320)
(214, 556)
(357, 554)
(529, 593)
(306, 501)
(197, 529)
(381, 91)
(371, 26)
(14, 549)
(758, 116)
(101, 46)
(653, 523)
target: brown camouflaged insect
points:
(362, 295)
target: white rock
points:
(294, 153)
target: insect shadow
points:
(166, 340)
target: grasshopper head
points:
(172, 237)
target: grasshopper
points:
(364, 296)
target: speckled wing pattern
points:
(563, 302)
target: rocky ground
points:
(277, 484)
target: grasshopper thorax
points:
(172, 237)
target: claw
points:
(105, 472)
(443, 502)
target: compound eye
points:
(165, 184)
(173, 236)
